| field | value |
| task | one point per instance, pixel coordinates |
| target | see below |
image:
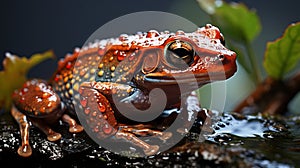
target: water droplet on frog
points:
(208, 26)
(167, 32)
(180, 32)
(152, 33)
(140, 35)
(125, 44)
(123, 37)
(115, 52)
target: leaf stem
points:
(255, 73)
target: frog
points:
(108, 82)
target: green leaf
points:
(15, 74)
(235, 20)
(283, 54)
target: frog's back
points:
(101, 61)
(109, 60)
(71, 72)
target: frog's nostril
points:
(221, 57)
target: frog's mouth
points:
(194, 74)
(188, 78)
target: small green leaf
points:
(15, 74)
(235, 20)
(283, 54)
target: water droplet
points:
(101, 52)
(152, 33)
(69, 65)
(131, 57)
(101, 108)
(83, 102)
(120, 57)
(123, 37)
(208, 26)
(180, 32)
(107, 129)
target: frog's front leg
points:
(25, 149)
(100, 115)
(38, 103)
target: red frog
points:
(111, 78)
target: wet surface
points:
(232, 141)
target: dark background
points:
(28, 27)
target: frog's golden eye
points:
(179, 54)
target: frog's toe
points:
(166, 135)
(25, 150)
(54, 136)
(182, 130)
(153, 149)
(76, 129)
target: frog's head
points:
(199, 57)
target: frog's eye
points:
(222, 39)
(179, 54)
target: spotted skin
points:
(95, 79)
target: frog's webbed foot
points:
(129, 133)
(147, 148)
(25, 149)
(141, 130)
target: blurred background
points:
(29, 27)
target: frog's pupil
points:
(180, 54)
